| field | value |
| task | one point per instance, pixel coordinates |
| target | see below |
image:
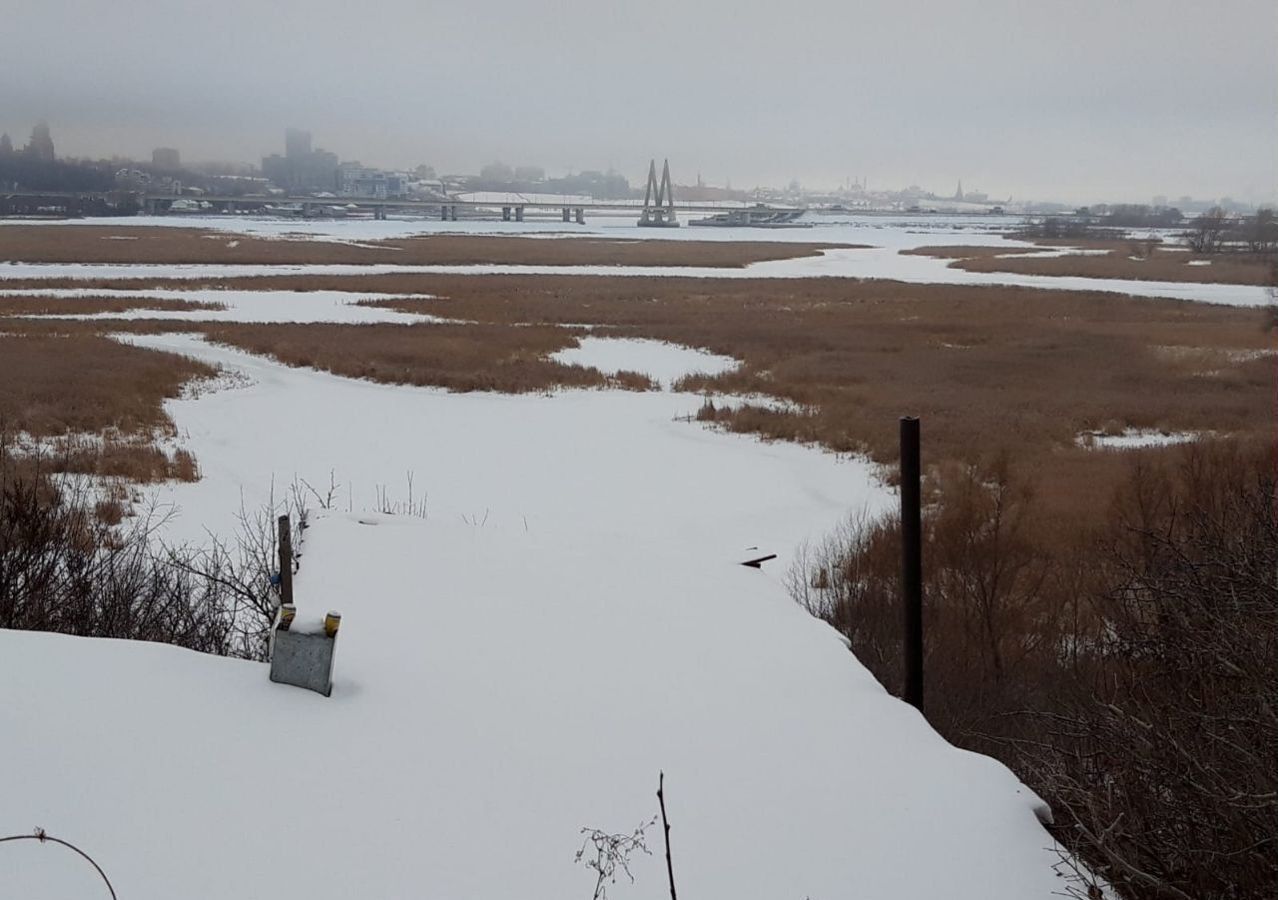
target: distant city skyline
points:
(166, 158)
(1077, 102)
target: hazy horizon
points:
(1079, 103)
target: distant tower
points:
(297, 143)
(40, 146)
(166, 159)
(958, 194)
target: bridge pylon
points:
(658, 199)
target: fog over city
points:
(1075, 102)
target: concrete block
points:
(303, 658)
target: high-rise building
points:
(297, 143)
(301, 168)
(40, 146)
(166, 159)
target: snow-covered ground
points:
(617, 461)
(567, 620)
(662, 362)
(886, 237)
(496, 691)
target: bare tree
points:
(1262, 231)
(1207, 232)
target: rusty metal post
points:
(286, 561)
(912, 562)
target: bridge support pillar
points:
(581, 215)
(505, 213)
(567, 214)
(519, 213)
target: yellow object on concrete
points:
(332, 622)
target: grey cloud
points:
(1070, 100)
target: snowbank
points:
(497, 690)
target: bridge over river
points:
(510, 207)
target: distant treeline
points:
(1136, 215)
(1214, 231)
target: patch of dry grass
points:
(965, 251)
(57, 384)
(88, 306)
(63, 387)
(134, 460)
(1125, 260)
(457, 357)
(141, 244)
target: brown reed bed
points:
(89, 305)
(94, 404)
(1124, 260)
(142, 244)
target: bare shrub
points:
(1207, 232)
(611, 854)
(71, 563)
(1163, 773)
(63, 569)
(245, 567)
(1130, 677)
(989, 614)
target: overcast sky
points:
(1079, 100)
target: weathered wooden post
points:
(912, 561)
(286, 562)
